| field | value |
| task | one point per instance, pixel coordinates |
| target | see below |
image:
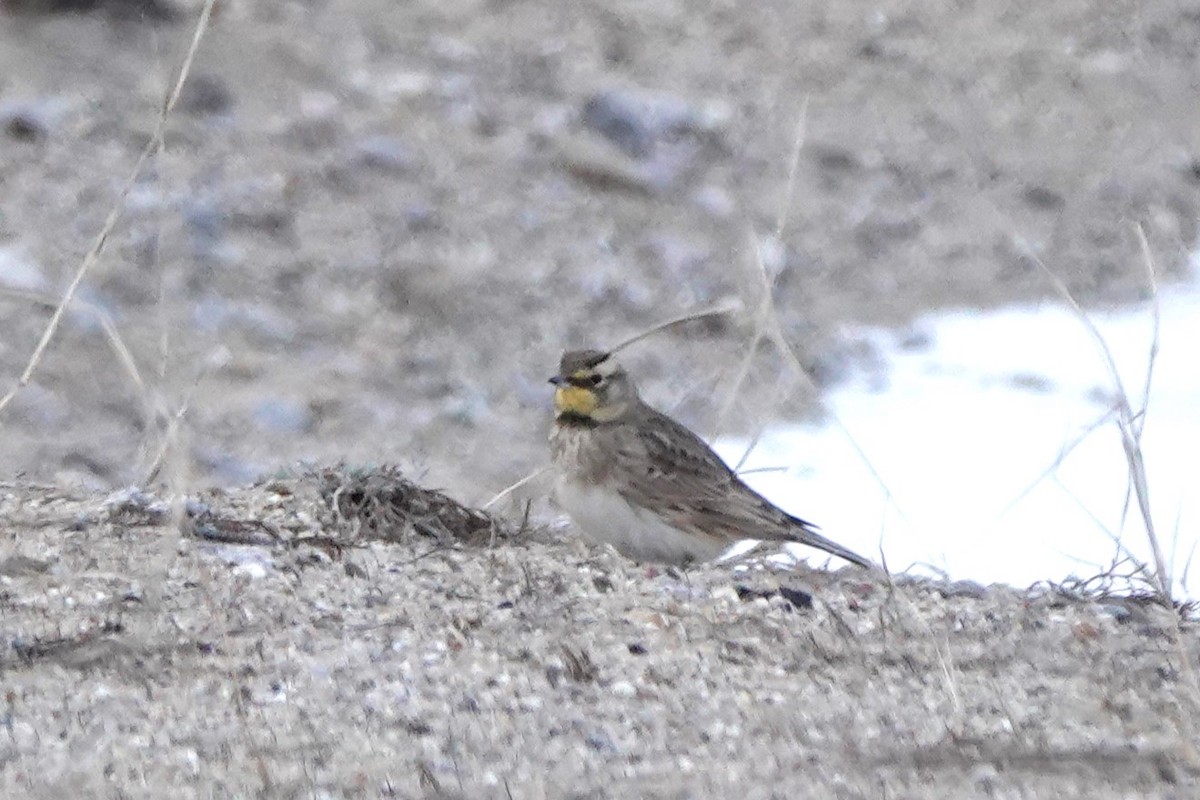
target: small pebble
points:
(601, 742)
(1117, 612)
(205, 94)
(385, 153)
(748, 593)
(19, 566)
(799, 598)
(963, 589)
(618, 118)
(32, 120)
(1032, 382)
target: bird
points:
(633, 477)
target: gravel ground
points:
(333, 665)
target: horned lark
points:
(637, 479)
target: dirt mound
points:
(318, 660)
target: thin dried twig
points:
(114, 214)
(722, 310)
(1129, 421)
(773, 331)
(113, 336)
(1065, 451)
(757, 470)
(1145, 573)
(505, 492)
(765, 284)
(168, 439)
(1156, 317)
(762, 310)
(785, 208)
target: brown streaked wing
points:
(689, 485)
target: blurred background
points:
(374, 225)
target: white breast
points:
(605, 516)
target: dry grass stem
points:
(114, 214)
(785, 208)
(722, 310)
(1129, 421)
(768, 326)
(1067, 449)
(505, 492)
(111, 334)
(169, 438)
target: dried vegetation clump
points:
(381, 503)
(336, 506)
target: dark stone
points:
(799, 598)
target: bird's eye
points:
(595, 380)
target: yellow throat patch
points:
(574, 400)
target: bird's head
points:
(591, 387)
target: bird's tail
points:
(806, 533)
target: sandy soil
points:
(329, 665)
(373, 228)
